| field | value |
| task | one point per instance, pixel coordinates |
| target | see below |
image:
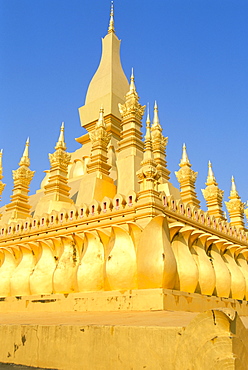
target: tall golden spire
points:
(186, 178)
(19, 207)
(97, 182)
(99, 153)
(56, 191)
(148, 177)
(213, 195)
(108, 87)
(159, 143)
(2, 186)
(111, 21)
(235, 207)
(130, 152)
(57, 187)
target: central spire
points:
(108, 86)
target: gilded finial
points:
(111, 21)
(101, 122)
(156, 123)
(233, 186)
(148, 155)
(25, 156)
(148, 125)
(210, 179)
(233, 192)
(148, 121)
(185, 159)
(61, 141)
(132, 84)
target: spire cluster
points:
(119, 132)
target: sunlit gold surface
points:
(108, 231)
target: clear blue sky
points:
(189, 55)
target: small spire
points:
(233, 192)
(148, 125)
(185, 159)
(26, 150)
(111, 21)
(25, 156)
(235, 207)
(148, 115)
(210, 178)
(156, 123)
(132, 84)
(233, 186)
(101, 122)
(61, 141)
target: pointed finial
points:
(233, 186)
(25, 156)
(210, 170)
(26, 151)
(111, 21)
(148, 125)
(61, 141)
(185, 159)
(233, 192)
(101, 122)
(156, 123)
(132, 84)
(148, 138)
(148, 115)
(210, 179)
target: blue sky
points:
(189, 55)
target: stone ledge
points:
(128, 300)
(214, 339)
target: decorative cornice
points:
(186, 174)
(23, 175)
(59, 158)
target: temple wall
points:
(79, 251)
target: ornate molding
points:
(59, 158)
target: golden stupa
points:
(108, 265)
